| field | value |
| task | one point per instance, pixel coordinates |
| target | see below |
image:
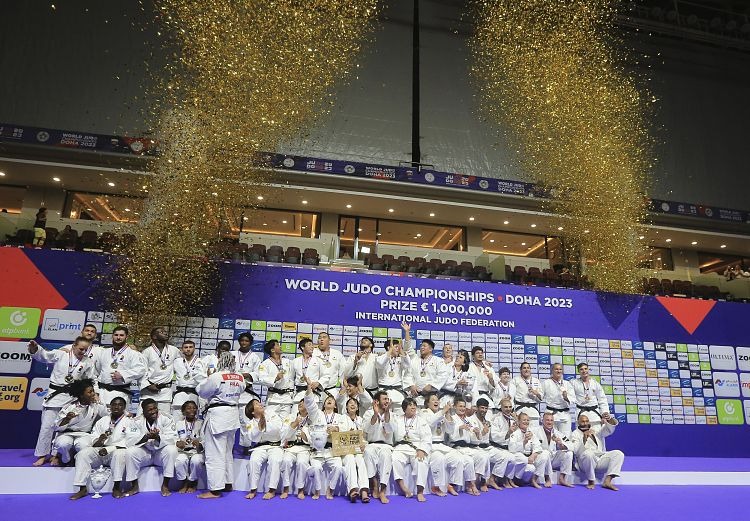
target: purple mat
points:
(657, 502)
(24, 458)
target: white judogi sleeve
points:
(222, 388)
(553, 393)
(516, 443)
(331, 367)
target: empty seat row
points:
(432, 267)
(71, 239)
(240, 251)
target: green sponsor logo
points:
(597, 378)
(682, 348)
(542, 340)
(19, 322)
(258, 325)
(705, 366)
(289, 348)
(108, 327)
(631, 409)
(569, 360)
(644, 418)
(620, 400)
(693, 357)
(380, 332)
(273, 335)
(607, 389)
(556, 350)
(730, 412)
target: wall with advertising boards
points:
(676, 371)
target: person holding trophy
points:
(190, 460)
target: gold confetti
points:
(551, 72)
(245, 77)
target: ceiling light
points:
(471, 218)
(658, 258)
(506, 222)
(127, 209)
(432, 214)
(111, 183)
(341, 231)
(523, 244)
(244, 218)
(2, 174)
(359, 229)
(585, 231)
(265, 224)
(559, 228)
(260, 198)
(668, 240)
(723, 246)
(304, 202)
(641, 237)
(283, 222)
(348, 206)
(694, 243)
(505, 245)
(89, 209)
(391, 210)
(492, 240)
(304, 227)
(419, 235)
(533, 225)
(56, 179)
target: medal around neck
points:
(98, 479)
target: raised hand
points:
(33, 347)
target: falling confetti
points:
(551, 72)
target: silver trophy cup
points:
(98, 479)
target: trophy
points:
(98, 479)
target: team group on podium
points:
(444, 423)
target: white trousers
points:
(563, 423)
(333, 465)
(561, 460)
(466, 465)
(219, 459)
(515, 465)
(299, 458)
(271, 456)
(608, 464)
(480, 461)
(89, 458)
(379, 460)
(419, 468)
(138, 457)
(534, 469)
(500, 462)
(67, 442)
(445, 466)
(188, 465)
(355, 472)
(46, 431)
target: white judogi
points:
(75, 435)
(210, 362)
(266, 449)
(161, 453)
(189, 462)
(452, 388)
(247, 363)
(296, 445)
(475, 460)
(499, 453)
(321, 458)
(222, 391)
(485, 387)
(590, 398)
(188, 374)
(364, 367)
(279, 392)
(66, 366)
(159, 372)
(426, 371)
(409, 436)
(559, 458)
(331, 370)
(302, 367)
(556, 401)
(379, 449)
(128, 362)
(355, 468)
(524, 401)
(498, 457)
(593, 458)
(503, 391)
(518, 445)
(364, 399)
(394, 375)
(122, 434)
(445, 462)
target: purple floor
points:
(24, 458)
(681, 503)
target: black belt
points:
(217, 404)
(297, 444)
(495, 444)
(379, 443)
(588, 408)
(273, 390)
(249, 390)
(119, 388)
(267, 444)
(59, 389)
(371, 391)
(394, 388)
(460, 444)
(557, 410)
(521, 405)
(188, 390)
(484, 445)
(161, 386)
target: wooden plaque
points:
(349, 442)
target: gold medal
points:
(391, 373)
(163, 366)
(328, 364)
(69, 378)
(113, 365)
(439, 431)
(423, 374)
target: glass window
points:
(520, 244)
(11, 198)
(276, 222)
(658, 259)
(103, 207)
(710, 262)
(421, 235)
